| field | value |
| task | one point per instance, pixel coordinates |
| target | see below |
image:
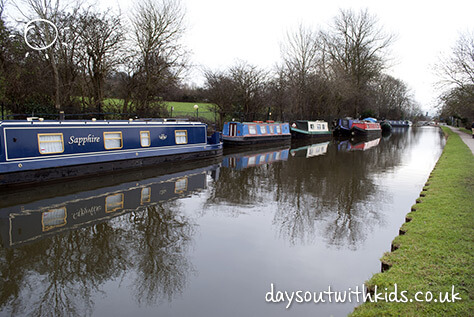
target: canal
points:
(213, 238)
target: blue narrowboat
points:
(36, 150)
(247, 133)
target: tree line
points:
(456, 82)
(103, 60)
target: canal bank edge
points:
(435, 249)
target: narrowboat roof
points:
(257, 122)
(310, 121)
(40, 122)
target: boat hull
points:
(254, 140)
(366, 129)
(24, 178)
(301, 134)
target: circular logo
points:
(29, 26)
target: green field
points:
(180, 109)
(187, 109)
(434, 252)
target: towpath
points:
(468, 139)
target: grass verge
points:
(436, 249)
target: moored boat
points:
(304, 129)
(348, 126)
(256, 132)
(385, 126)
(400, 123)
(35, 151)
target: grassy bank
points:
(465, 130)
(435, 250)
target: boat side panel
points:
(2, 146)
(23, 142)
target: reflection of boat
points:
(254, 158)
(355, 144)
(303, 129)
(246, 133)
(34, 151)
(310, 150)
(27, 222)
(357, 127)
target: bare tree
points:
(356, 49)
(392, 99)
(158, 26)
(456, 74)
(458, 69)
(101, 36)
(219, 91)
(59, 42)
(249, 92)
(301, 57)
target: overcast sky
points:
(221, 32)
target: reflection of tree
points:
(334, 194)
(162, 267)
(59, 274)
(243, 187)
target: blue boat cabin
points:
(256, 128)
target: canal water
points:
(225, 237)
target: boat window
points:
(50, 143)
(318, 126)
(145, 195)
(53, 218)
(252, 129)
(113, 140)
(311, 126)
(113, 202)
(145, 138)
(263, 129)
(181, 136)
(278, 129)
(271, 129)
(181, 185)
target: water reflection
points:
(59, 251)
(357, 144)
(322, 191)
(209, 232)
(310, 150)
(245, 158)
